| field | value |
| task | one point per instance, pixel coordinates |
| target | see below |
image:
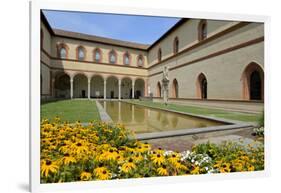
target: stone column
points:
(119, 89)
(145, 87)
(119, 112)
(133, 89)
(89, 88)
(104, 89)
(71, 87)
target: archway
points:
(97, 86)
(158, 90)
(126, 88)
(112, 87)
(139, 88)
(175, 89)
(80, 86)
(62, 86)
(253, 82)
(202, 86)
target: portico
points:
(81, 85)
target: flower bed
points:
(102, 151)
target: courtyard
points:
(188, 101)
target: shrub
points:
(234, 156)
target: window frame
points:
(202, 30)
(109, 56)
(94, 54)
(77, 53)
(159, 54)
(176, 45)
(59, 47)
(127, 54)
(140, 57)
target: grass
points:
(71, 110)
(85, 111)
(246, 117)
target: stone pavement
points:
(182, 143)
(244, 107)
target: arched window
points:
(202, 86)
(112, 57)
(176, 45)
(97, 55)
(253, 82)
(62, 53)
(159, 55)
(202, 30)
(158, 90)
(126, 58)
(62, 50)
(175, 89)
(81, 53)
(255, 86)
(140, 60)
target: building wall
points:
(105, 49)
(222, 60)
(45, 78)
(223, 72)
(47, 39)
(187, 35)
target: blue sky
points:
(140, 29)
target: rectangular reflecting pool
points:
(147, 120)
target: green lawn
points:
(85, 111)
(71, 110)
(247, 117)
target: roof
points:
(82, 36)
(179, 23)
(110, 41)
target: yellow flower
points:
(141, 148)
(174, 159)
(225, 167)
(67, 159)
(218, 164)
(128, 166)
(251, 168)
(80, 147)
(102, 173)
(110, 155)
(120, 159)
(85, 176)
(162, 171)
(47, 166)
(195, 170)
(179, 166)
(137, 158)
(158, 159)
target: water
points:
(146, 120)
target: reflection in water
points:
(174, 121)
(145, 120)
